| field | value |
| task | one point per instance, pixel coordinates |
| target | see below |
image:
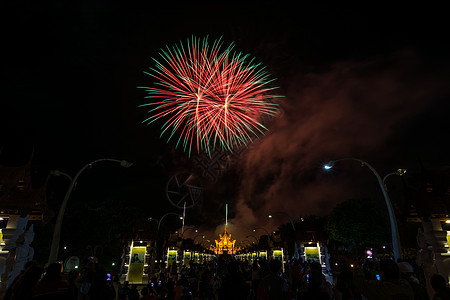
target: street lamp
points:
(257, 240)
(59, 173)
(189, 228)
(399, 172)
(394, 230)
(284, 213)
(167, 214)
(254, 230)
(57, 232)
(159, 224)
(197, 237)
(207, 243)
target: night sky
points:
(358, 81)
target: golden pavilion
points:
(225, 245)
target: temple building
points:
(225, 245)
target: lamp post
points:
(399, 172)
(59, 173)
(257, 240)
(284, 213)
(167, 214)
(393, 222)
(249, 243)
(57, 232)
(159, 224)
(208, 244)
(197, 237)
(254, 230)
(293, 228)
(189, 228)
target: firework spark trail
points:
(211, 98)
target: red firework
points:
(210, 98)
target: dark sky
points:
(359, 81)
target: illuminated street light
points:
(167, 214)
(254, 230)
(284, 213)
(59, 173)
(58, 226)
(187, 229)
(394, 230)
(257, 240)
(197, 237)
(159, 224)
(399, 172)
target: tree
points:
(358, 221)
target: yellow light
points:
(400, 172)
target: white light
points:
(76, 267)
(327, 167)
(447, 221)
(113, 264)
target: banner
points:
(136, 269)
(312, 254)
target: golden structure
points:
(225, 245)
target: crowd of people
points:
(231, 279)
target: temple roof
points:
(225, 244)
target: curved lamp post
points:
(394, 229)
(189, 228)
(284, 213)
(57, 232)
(167, 214)
(254, 230)
(159, 224)
(249, 243)
(257, 240)
(208, 244)
(193, 240)
(399, 172)
(59, 173)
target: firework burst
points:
(209, 98)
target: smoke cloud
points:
(353, 109)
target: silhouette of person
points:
(22, 286)
(439, 285)
(52, 286)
